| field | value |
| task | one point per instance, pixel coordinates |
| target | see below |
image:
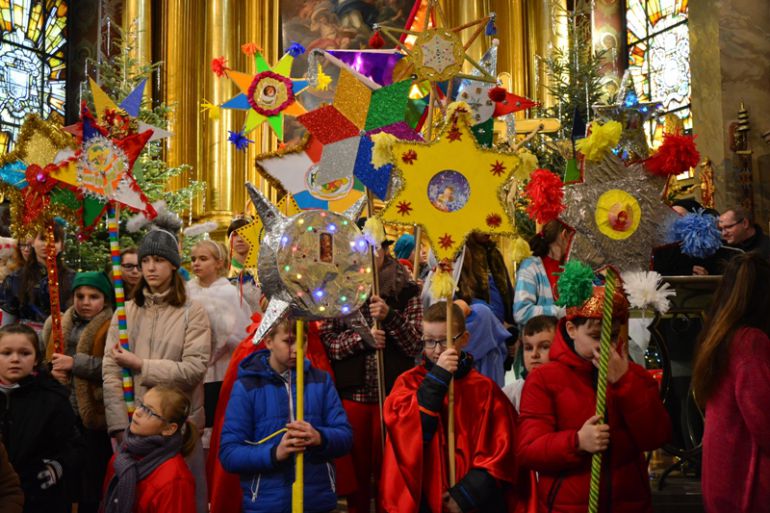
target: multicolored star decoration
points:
(28, 178)
(618, 214)
(451, 186)
(254, 232)
(294, 170)
(633, 115)
(110, 144)
(361, 108)
(267, 95)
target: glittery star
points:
(404, 207)
(494, 220)
(446, 241)
(498, 168)
(454, 134)
(409, 157)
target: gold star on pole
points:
(452, 187)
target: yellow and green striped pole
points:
(601, 384)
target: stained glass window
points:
(659, 57)
(33, 38)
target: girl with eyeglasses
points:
(148, 474)
(130, 270)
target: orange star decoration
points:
(254, 231)
(452, 187)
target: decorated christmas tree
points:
(118, 76)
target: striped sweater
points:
(533, 295)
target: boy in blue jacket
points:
(260, 434)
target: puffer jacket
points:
(175, 345)
(556, 401)
(262, 402)
(87, 350)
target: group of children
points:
(526, 446)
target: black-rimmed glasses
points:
(140, 406)
(431, 344)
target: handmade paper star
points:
(268, 94)
(295, 170)
(314, 263)
(618, 214)
(30, 177)
(633, 115)
(452, 187)
(111, 141)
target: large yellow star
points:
(452, 187)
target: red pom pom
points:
(545, 192)
(219, 66)
(497, 94)
(676, 155)
(376, 41)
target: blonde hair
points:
(176, 407)
(218, 251)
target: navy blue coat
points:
(259, 406)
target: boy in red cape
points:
(225, 495)
(559, 431)
(415, 467)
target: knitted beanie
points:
(160, 243)
(97, 280)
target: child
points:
(536, 340)
(37, 423)
(169, 340)
(260, 433)
(415, 460)
(79, 368)
(228, 317)
(130, 270)
(558, 428)
(148, 473)
(24, 293)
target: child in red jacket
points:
(149, 474)
(559, 432)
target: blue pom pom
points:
(697, 234)
(295, 49)
(239, 140)
(490, 29)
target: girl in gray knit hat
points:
(169, 344)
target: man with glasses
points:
(738, 231)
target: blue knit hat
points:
(404, 246)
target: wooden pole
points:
(53, 287)
(298, 488)
(429, 120)
(417, 250)
(379, 353)
(451, 401)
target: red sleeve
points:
(540, 447)
(403, 458)
(177, 496)
(644, 415)
(752, 388)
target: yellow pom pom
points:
(211, 109)
(442, 285)
(521, 250)
(602, 139)
(527, 164)
(323, 80)
(382, 153)
(374, 231)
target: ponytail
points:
(541, 242)
(189, 437)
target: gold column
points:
(464, 11)
(182, 72)
(512, 54)
(139, 12)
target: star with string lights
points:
(633, 115)
(451, 187)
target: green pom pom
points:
(575, 285)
